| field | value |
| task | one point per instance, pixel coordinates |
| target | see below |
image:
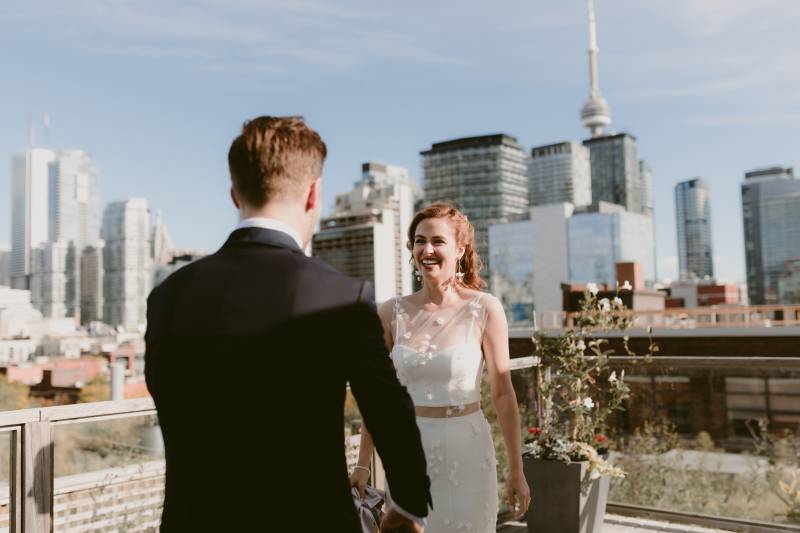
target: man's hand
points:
(394, 522)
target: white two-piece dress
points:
(438, 357)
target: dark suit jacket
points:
(249, 351)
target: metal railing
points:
(689, 318)
(31, 433)
(723, 523)
(32, 439)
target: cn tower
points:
(596, 112)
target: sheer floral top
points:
(438, 354)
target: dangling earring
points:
(459, 274)
(417, 273)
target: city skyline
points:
(686, 80)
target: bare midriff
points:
(447, 411)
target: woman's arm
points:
(498, 362)
(360, 476)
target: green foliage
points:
(13, 395)
(578, 390)
(782, 451)
(663, 472)
(96, 390)
(99, 445)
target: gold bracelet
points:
(357, 467)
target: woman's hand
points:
(519, 494)
(359, 479)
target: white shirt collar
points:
(273, 224)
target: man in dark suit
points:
(249, 352)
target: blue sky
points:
(155, 90)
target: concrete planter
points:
(561, 501)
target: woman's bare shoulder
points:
(386, 310)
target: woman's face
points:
(436, 250)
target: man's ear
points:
(314, 194)
(234, 200)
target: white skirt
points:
(463, 472)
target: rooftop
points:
(473, 142)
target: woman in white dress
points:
(440, 338)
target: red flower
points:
(535, 431)
(600, 438)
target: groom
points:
(249, 352)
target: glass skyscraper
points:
(771, 216)
(615, 171)
(693, 219)
(602, 236)
(484, 176)
(74, 215)
(29, 210)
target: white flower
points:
(618, 301)
(626, 286)
(605, 304)
(592, 287)
(581, 346)
(588, 403)
(613, 377)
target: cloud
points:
(661, 50)
(754, 118)
(297, 33)
(714, 18)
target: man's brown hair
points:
(274, 157)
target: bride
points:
(440, 338)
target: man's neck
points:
(283, 214)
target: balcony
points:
(97, 466)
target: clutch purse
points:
(369, 508)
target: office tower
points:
(365, 236)
(771, 216)
(74, 215)
(648, 205)
(646, 187)
(29, 210)
(551, 257)
(559, 173)
(48, 279)
(511, 253)
(5, 267)
(693, 218)
(128, 274)
(484, 176)
(92, 283)
(160, 243)
(615, 171)
(602, 235)
(530, 261)
(789, 283)
(74, 199)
